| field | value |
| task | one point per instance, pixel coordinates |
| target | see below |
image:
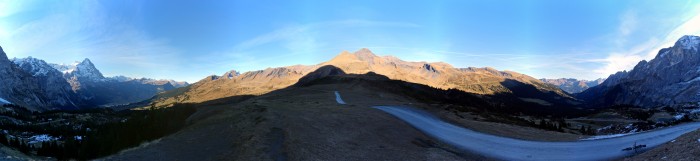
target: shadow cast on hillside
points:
(506, 103)
(515, 103)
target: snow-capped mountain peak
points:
(34, 66)
(121, 78)
(37, 85)
(688, 42)
(65, 68)
(672, 72)
(572, 85)
(85, 70)
(86, 62)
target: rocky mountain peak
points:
(345, 52)
(364, 51)
(3, 56)
(614, 79)
(87, 70)
(572, 85)
(689, 42)
(429, 68)
(231, 74)
(34, 66)
(362, 55)
(365, 54)
(670, 79)
(87, 62)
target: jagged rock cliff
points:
(672, 78)
(40, 86)
(20, 87)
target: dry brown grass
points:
(685, 147)
(305, 123)
(439, 75)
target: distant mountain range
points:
(571, 85)
(487, 82)
(39, 85)
(669, 79)
(672, 78)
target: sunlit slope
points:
(485, 81)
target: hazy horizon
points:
(188, 40)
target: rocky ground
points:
(686, 147)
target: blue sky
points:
(188, 40)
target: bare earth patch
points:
(686, 147)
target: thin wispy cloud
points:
(626, 58)
(11, 7)
(627, 26)
(85, 31)
(689, 27)
(291, 34)
(297, 40)
(188, 40)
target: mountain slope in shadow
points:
(670, 79)
(486, 82)
(304, 122)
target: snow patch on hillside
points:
(3, 101)
(691, 81)
(695, 111)
(679, 116)
(689, 42)
(608, 136)
(41, 138)
(338, 99)
(65, 68)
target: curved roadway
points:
(514, 149)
